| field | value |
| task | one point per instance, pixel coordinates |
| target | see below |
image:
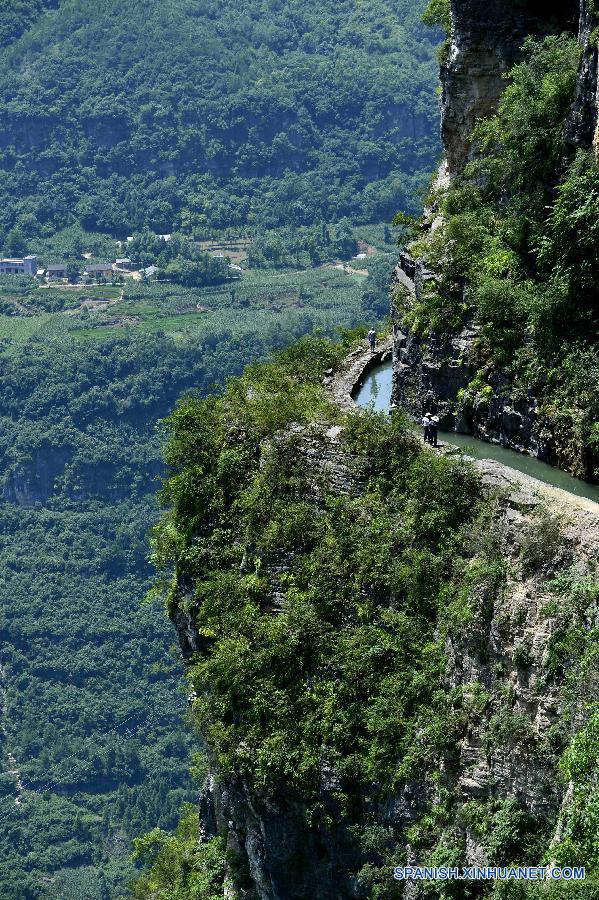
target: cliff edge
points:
(390, 655)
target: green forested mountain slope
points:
(92, 714)
(352, 598)
(197, 115)
(16, 16)
(93, 739)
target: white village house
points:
(57, 271)
(25, 266)
(99, 270)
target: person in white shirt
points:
(426, 424)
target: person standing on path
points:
(434, 430)
(426, 424)
(372, 339)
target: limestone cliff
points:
(584, 123)
(446, 370)
(485, 41)
(508, 661)
(442, 373)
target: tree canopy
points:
(198, 116)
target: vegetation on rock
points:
(323, 615)
(517, 251)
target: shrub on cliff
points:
(180, 866)
(496, 211)
(517, 250)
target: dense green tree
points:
(16, 243)
(73, 271)
(377, 289)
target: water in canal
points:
(375, 393)
(376, 388)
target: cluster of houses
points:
(29, 265)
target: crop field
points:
(264, 301)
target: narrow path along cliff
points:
(346, 384)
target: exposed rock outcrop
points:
(442, 373)
(583, 128)
(434, 372)
(485, 42)
(510, 728)
(30, 484)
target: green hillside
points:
(93, 738)
(286, 122)
(197, 116)
(18, 15)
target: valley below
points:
(257, 640)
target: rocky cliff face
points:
(510, 751)
(273, 853)
(485, 42)
(584, 122)
(444, 372)
(508, 666)
(446, 375)
(505, 758)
